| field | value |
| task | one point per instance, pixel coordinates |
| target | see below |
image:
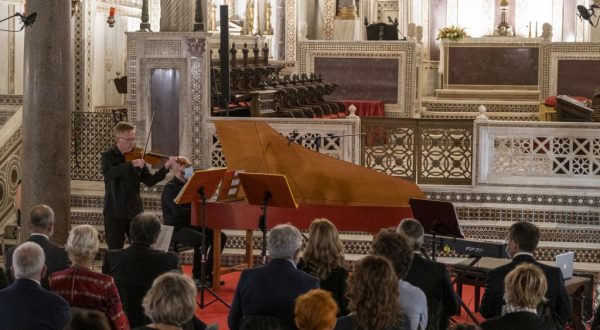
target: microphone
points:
(583, 12)
(27, 20)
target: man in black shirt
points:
(122, 201)
(178, 216)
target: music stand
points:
(201, 184)
(439, 218)
(267, 190)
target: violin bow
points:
(149, 132)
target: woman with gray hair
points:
(170, 303)
(271, 290)
(81, 286)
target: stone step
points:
(509, 95)
(512, 116)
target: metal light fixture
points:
(75, 7)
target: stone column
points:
(48, 104)
(279, 30)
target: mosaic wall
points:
(560, 154)
(92, 134)
(425, 151)
(11, 99)
(10, 169)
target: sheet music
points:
(164, 238)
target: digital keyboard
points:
(467, 247)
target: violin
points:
(152, 158)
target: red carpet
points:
(216, 312)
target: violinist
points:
(122, 201)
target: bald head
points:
(42, 219)
(413, 229)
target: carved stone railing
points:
(10, 170)
(345, 148)
(538, 154)
(424, 151)
(92, 134)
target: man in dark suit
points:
(272, 289)
(523, 238)
(41, 221)
(25, 304)
(122, 180)
(135, 268)
(442, 301)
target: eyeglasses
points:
(128, 140)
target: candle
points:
(112, 12)
(536, 29)
(529, 29)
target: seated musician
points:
(523, 238)
(178, 216)
(441, 299)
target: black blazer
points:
(134, 269)
(122, 184)
(492, 301)
(433, 278)
(334, 283)
(56, 258)
(28, 306)
(516, 321)
(269, 290)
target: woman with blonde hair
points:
(315, 310)
(170, 303)
(373, 294)
(81, 286)
(525, 288)
(324, 259)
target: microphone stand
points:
(203, 287)
(262, 225)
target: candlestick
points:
(503, 3)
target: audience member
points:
(316, 310)
(272, 289)
(523, 238)
(41, 220)
(88, 320)
(170, 303)
(596, 323)
(442, 301)
(179, 216)
(465, 326)
(81, 286)
(525, 287)
(373, 297)
(3, 278)
(136, 267)
(25, 304)
(122, 180)
(323, 258)
(262, 322)
(395, 247)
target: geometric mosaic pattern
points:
(425, 151)
(92, 135)
(546, 156)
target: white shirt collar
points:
(39, 234)
(523, 253)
